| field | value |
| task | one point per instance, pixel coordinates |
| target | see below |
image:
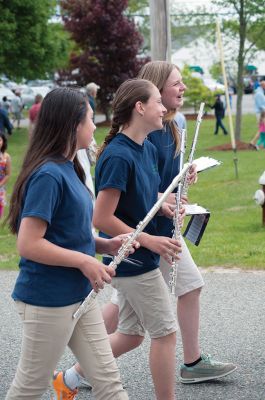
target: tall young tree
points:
(108, 44)
(247, 13)
(29, 43)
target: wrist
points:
(143, 239)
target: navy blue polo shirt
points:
(132, 169)
(168, 166)
(55, 194)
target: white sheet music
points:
(195, 209)
(204, 163)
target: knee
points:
(137, 341)
(193, 294)
(170, 339)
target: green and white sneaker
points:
(205, 370)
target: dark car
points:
(248, 85)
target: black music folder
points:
(197, 224)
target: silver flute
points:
(122, 253)
(182, 190)
(185, 183)
(177, 228)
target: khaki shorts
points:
(144, 305)
(188, 276)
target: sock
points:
(194, 362)
(72, 378)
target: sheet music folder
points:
(197, 224)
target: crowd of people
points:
(57, 242)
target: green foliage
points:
(137, 6)
(30, 45)
(216, 70)
(196, 91)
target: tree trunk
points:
(160, 30)
(241, 60)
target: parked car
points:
(4, 91)
(248, 85)
(28, 94)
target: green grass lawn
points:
(234, 236)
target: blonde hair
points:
(158, 72)
(126, 96)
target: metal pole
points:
(263, 208)
(229, 112)
(160, 30)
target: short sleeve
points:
(114, 173)
(42, 197)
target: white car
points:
(28, 94)
(213, 85)
(5, 92)
(43, 90)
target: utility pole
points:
(160, 30)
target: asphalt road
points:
(232, 329)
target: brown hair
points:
(127, 95)
(54, 139)
(158, 72)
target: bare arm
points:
(32, 245)
(105, 220)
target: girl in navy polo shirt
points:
(51, 211)
(127, 183)
(197, 366)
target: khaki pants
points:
(46, 333)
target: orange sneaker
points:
(63, 392)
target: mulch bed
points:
(227, 146)
(192, 117)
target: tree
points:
(108, 44)
(196, 91)
(30, 46)
(242, 19)
(246, 13)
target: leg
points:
(110, 313)
(151, 309)
(90, 344)
(46, 332)
(222, 126)
(188, 288)
(216, 126)
(1, 210)
(188, 309)
(163, 366)
(120, 343)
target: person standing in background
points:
(16, 108)
(5, 171)
(5, 123)
(92, 89)
(259, 99)
(33, 112)
(219, 112)
(6, 104)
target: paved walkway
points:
(232, 329)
